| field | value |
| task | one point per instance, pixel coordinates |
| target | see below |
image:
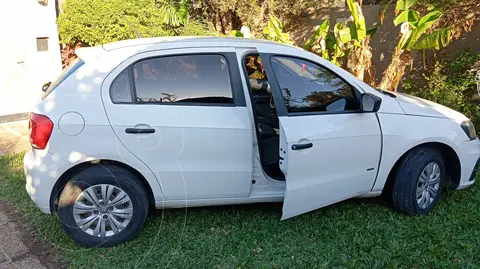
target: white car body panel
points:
(192, 175)
(402, 133)
(420, 107)
(341, 164)
(194, 147)
(97, 141)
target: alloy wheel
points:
(428, 185)
(103, 210)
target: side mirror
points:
(370, 102)
(46, 86)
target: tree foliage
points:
(451, 83)
(415, 34)
(93, 22)
(274, 31)
(347, 45)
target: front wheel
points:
(103, 206)
(419, 182)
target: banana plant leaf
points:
(436, 40)
(410, 16)
(331, 41)
(342, 33)
(358, 29)
(274, 31)
(236, 33)
(403, 5)
(423, 25)
(320, 33)
(373, 30)
(276, 22)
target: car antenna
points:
(133, 27)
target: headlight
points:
(469, 129)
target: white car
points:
(180, 122)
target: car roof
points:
(190, 41)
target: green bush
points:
(94, 22)
(450, 83)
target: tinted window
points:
(120, 91)
(307, 87)
(186, 79)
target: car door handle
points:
(139, 130)
(301, 146)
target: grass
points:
(359, 233)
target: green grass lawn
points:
(359, 233)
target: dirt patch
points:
(47, 255)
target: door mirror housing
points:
(46, 85)
(370, 102)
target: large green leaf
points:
(411, 16)
(359, 28)
(403, 5)
(331, 41)
(274, 31)
(276, 22)
(372, 31)
(342, 33)
(236, 33)
(423, 25)
(436, 40)
(320, 33)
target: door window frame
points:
(276, 90)
(236, 86)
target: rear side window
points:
(189, 79)
(120, 91)
(74, 66)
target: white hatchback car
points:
(179, 122)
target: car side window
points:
(308, 87)
(183, 79)
(120, 91)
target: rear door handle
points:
(139, 130)
(301, 146)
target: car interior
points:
(266, 118)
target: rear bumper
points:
(42, 171)
(469, 152)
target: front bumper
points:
(42, 171)
(469, 154)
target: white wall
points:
(23, 69)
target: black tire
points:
(104, 174)
(407, 178)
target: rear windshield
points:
(64, 75)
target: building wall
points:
(24, 69)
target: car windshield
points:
(64, 75)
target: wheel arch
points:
(71, 172)
(452, 162)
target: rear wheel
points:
(419, 182)
(103, 206)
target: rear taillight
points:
(40, 130)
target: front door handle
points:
(301, 146)
(139, 130)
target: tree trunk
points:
(264, 13)
(222, 23)
(359, 62)
(395, 71)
